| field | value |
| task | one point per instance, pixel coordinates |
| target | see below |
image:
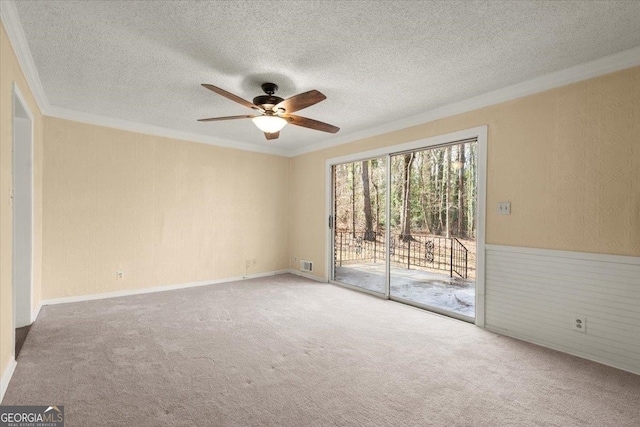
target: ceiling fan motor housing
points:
(268, 100)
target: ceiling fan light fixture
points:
(269, 124)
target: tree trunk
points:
(472, 191)
(424, 189)
(440, 189)
(405, 218)
(353, 200)
(377, 191)
(462, 220)
(368, 219)
(447, 204)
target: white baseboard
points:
(35, 312)
(306, 275)
(6, 377)
(130, 292)
(560, 348)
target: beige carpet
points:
(286, 351)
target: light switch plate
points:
(504, 208)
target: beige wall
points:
(10, 72)
(568, 159)
(163, 211)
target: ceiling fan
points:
(275, 112)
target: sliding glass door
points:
(432, 242)
(359, 198)
(404, 226)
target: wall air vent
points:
(306, 265)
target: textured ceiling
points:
(376, 61)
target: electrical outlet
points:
(120, 275)
(504, 208)
(580, 324)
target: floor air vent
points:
(306, 265)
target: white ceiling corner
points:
(138, 65)
(11, 21)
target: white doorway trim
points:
(480, 133)
(22, 208)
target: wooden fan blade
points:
(300, 101)
(215, 119)
(310, 123)
(230, 96)
(273, 135)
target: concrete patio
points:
(425, 287)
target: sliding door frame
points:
(480, 134)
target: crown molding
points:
(18, 40)
(608, 64)
(99, 120)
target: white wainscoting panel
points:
(534, 294)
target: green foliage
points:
(442, 182)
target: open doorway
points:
(22, 210)
(408, 223)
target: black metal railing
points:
(459, 258)
(424, 251)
